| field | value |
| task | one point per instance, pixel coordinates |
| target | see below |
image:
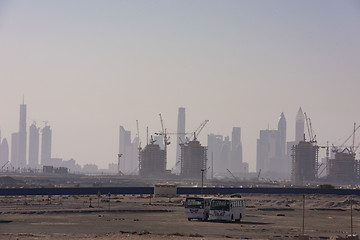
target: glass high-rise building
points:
(4, 152)
(46, 146)
(14, 149)
(236, 150)
(129, 161)
(282, 136)
(33, 146)
(22, 137)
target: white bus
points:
(227, 209)
(197, 207)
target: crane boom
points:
(309, 128)
(5, 165)
(233, 175)
(351, 135)
(162, 123)
(138, 132)
(165, 134)
(200, 128)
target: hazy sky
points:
(88, 67)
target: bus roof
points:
(199, 198)
(228, 198)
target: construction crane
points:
(322, 164)
(199, 129)
(139, 146)
(258, 176)
(312, 136)
(194, 133)
(352, 148)
(312, 139)
(119, 172)
(175, 166)
(233, 175)
(163, 133)
(8, 162)
(167, 138)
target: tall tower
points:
(15, 149)
(300, 124)
(215, 143)
(46, 146)
(236, 150)
(33, 146)
(282, 135)
(126, 148)
(266, 157)
(22, 137)
(181, 137)
(4, 152)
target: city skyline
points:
(128, 145)
(235, 63)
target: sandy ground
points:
(139, 217)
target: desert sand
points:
(142, 217)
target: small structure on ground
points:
(165, 190)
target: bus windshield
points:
(219, 204)
(194, 203)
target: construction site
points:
(341, 168)
(153, 159)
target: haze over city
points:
(87, 67)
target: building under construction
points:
(152, 161)
(343, 169)
(193, 160)
(304, 162)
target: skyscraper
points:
(215, 144)
(271, 151)
(4, 152)
(282, 136)
(33, 146)
(22, 137)
(236, 150)
(15, 149)
(46, 146)
(300, 124)
(181, 136)
(225, 154)
(129, 150)
(267, 146)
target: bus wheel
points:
(189, 219)
(232, 218)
